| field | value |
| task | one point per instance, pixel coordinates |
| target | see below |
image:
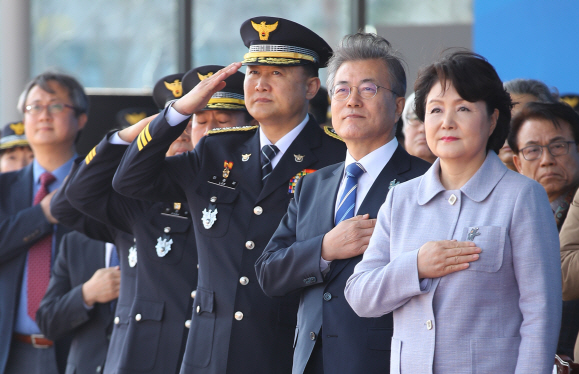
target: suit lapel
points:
(329, 189)
(251, 168)
(399, 163)
(289, 165)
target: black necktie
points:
(268, 152)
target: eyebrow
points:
(435, 100)
(362, 81)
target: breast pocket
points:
(491, 241)
(170, 234)
(214, 209)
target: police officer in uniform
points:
(238, 183)
(166, 261)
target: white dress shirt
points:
(284, 143)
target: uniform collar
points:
(284, 143)
(478, 187)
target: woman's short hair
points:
(75, 90)
(366, 46)
(474, 79)
(531, 87)
(553, 112)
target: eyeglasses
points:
(36, 109)
(534, 152)
(414, 121)
(367, 90)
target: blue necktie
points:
(348, 199)
(114, 261)
(268, 152)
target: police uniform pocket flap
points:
(491, 241)
(122, 314)
(170, 224)
(379, 339)
(204, 299)
(217, 194)
(148, 310)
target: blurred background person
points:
(524, 91)
(413, 130)
(544, 138)
(572, 100)
(15, 152)
(318, 107)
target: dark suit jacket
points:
(61, 208)
(21, 225)
(156, 319)
(62, 309)
(259, 339)
(291, 262)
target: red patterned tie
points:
(39, 256)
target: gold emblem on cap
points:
(175, 87)
(18, 128)
(133, 118)
(203, 77)
(572, 101)
(264, 29)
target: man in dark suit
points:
(54, 107)
(80, 300)
(331, 219)
(237, 201)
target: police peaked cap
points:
(168, 88)
(229, 98)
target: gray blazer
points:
(502, 314)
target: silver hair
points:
(408, 108)
(75, 90)
(366, 46)
(532, 87)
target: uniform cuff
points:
(116, 139)
(173, 117)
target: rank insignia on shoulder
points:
(133, 256)
(331, 132)
(163, 246)
(231, 129)
(296, 178)
(393, 184)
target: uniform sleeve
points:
(91, 191)
(62, 308)
(145, 173)
(537, 268)
(286, 265)
(569, 238)
(381, 284)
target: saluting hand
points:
(130, 133)
(439, 258)
(196, 99)
(348, 239)
(103, 286)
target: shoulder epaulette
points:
(329, 130)
(231, 129)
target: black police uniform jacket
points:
(62, 310)
(67, 215)
(21, 225)
(235, 327)
(166, 266)
(291, 262)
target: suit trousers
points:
(24, 358)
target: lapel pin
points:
(227, 166)
(245, 157)
(393, 184)
(473, 234)
(299, 158)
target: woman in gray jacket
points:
(466, 256)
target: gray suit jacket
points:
(502, 314)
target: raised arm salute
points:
(237, 196)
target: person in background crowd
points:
(238, 183)
(319, 107)
(572, 100)
(15, 153)
(466, 255)
(544, 138)
(55, 110)
(308, 253)
(413, 129)
(524, 91)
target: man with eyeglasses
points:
(332, 216)
(55, 110)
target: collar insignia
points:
(175, 88)
(299, 158)
(203, 77)
(245, 157)
(18, 128)
(264, 29)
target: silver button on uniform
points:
(167, 230)
(138, 317)
(193, 293)
(244, 281)
(238, 316)
(312, 335)
(198, 309)
(213, 199)
(429, 325)
(249, 245)
(188, 323)
(117, 320)
(258, 210)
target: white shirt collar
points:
(374, 161)
(284, 143)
